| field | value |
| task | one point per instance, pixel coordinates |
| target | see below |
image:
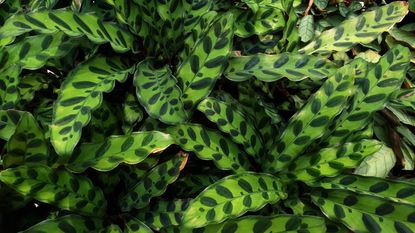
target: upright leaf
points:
(153, 184)
(306, 28)
(56, 187)
(79, 96)
(231, 197)
(158, 93)
(198, 73)
(361, 29)
(210, 145)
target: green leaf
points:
(56, 187)
(321, 4)
(263, 21)
(309, 123)
(129, 149)
(27, 145)
(132, 112)
(133, 225)
(104, 122)
(79, 96)
(210, 145)
(379, 164)
(72, 24)
(365, 213)
(290, 38)
(164, 213)
(404, 36)
(306, 28)
(265, 224)
(158, 93)
(187, 186)
(269, 68)
(231, 197)
(153, 183)
(31, 83)
(68, 223)
(9, 80)
(198, 73)
(331, 161)
(361, 29)
(8, 122)
(395, 190)
(231, 121)
(373, 93)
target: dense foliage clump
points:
(207, 116)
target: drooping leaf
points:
(79, 96)
(361, 29)
(313, 119)
(27, 145)
(271, 68)
(373, 92)
(67, 223)
(72, 24)
(158, 93)
(56, 187)
(210, 145)
(233, 122)
(198, 73)
(365, 213)
(398, 191)
(231, 197)
(331, 161)
(404, 36)
(129, 149)
(153, 184)
(164, 213)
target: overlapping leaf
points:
(79, 96)
(107, 155)
(235, 123)
(27, 144)
(132, 112)
(331, 161)
(68, 223)
(153, 184)
(8, 122)
(72, 24)
(313, 119)
(365, 213)
(271, 68)
(231, 197)
(198, 73)
(133, 225)
(361, 29)
(56, 187)
(210, 145)
(31, 83)
(158, 93)
(373, 92)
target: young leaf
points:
(153, 184)
(379, 164)
(56, 187)
(158, 93)
(198, 73)
(231, 197)
(27, 144)
(395, 190)
(265, 224)
(67, 223)
(210, 145)
(270, 68)
(313, 119)
(361, 29)
(72, 24)
(235, 123)
(306, 28)
(164, 213)
(31, 83)
(365, 213)
(373, 92)
(79, 96)
(132, 112)
(331, 161)
(129, 149)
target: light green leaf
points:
(79, 96)
(231, 197)
(133, 225)
(56, 187)
(306, 28)
(361, 29)
(31, 83)
(68, 223)
(8, 122)
(404, 36)
(129, 149)
(379, 164)
(158, 93)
